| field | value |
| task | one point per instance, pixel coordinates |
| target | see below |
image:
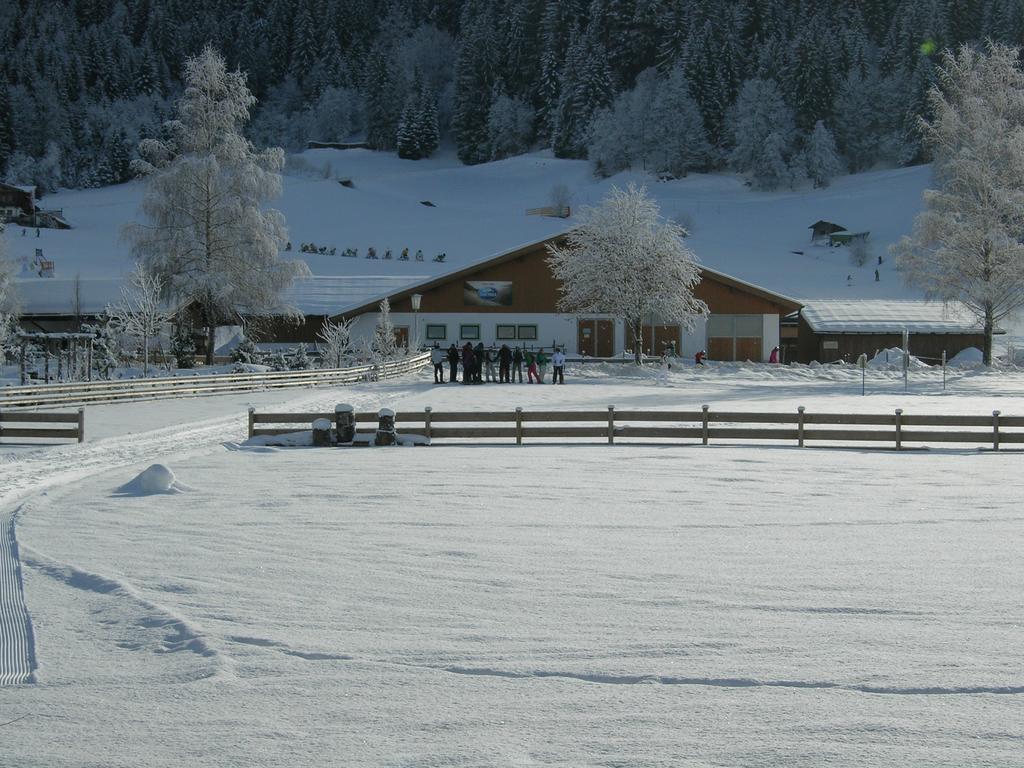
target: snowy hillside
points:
(480, 210)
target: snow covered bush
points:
(299, 360)
(336, 339)
(106, 349)
(246, 352)
(625, 260)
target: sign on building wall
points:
(487, 293)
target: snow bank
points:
(966, 358)
(156, 479)
(893, 358)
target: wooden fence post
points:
(800, 426)
(611, 425)
(81, 425)
(899, 429)
(426, 421)
(995, 430)
(385, 428)
(252, 420)
(704, 427)
(321, 433)
(519, 426)
(345, 422)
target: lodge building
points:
(512, 298)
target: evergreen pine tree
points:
(6, 128)
(821, 158)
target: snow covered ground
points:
(493, 606)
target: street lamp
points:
(415, 299)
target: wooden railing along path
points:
(77, 432)
(897, 428)
(214, 384)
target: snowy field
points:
(659, 605)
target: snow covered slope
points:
(480, 210)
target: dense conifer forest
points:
(779, 90)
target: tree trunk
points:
(986, 353)
(211, 332)
(638, 341)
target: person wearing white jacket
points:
(438, 357)
(558, 367)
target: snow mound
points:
(966, 358)
(893, 358)
(156, 479)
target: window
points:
(437, 332)
(469, 331)
(527, 332)
(505, 332)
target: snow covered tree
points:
(418, 135)
(509, 126)
(337, 341)
(676, 136)
(209, 237)
(384, 345)
(141, 314)
(772, 169)
(968, 243)
(624, 259)
(183, 348)
(759, 113)
(821, 159)
(8, 300)
(586, 87)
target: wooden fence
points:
(42, 395)
(801, 427)
(77, 432)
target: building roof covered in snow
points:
(323, 295)
(887, 316)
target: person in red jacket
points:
(774, 356)
(698, 359)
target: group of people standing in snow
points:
(501, 365)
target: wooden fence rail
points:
(176, 386)
(704, 425)
(77, 432)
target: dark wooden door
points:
(721, 348)
(595, 338)
(748, 348)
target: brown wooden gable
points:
(535, 289)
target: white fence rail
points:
(83, 393)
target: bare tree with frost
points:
(8, 301)
(967, 243)
(337, 341)
(384, 345)
(142, 313)
(208, 235)
(625, 260)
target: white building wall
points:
(552, 330)
(770, 335)
(696, 339)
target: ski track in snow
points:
(34, 472)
